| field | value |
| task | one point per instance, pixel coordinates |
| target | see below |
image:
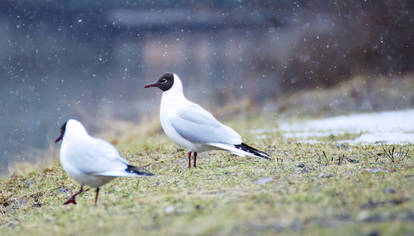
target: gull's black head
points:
(164, 83)
(62, 132)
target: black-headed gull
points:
(91, 161)
(194, 128)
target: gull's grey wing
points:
(197, 125)
(98, 157)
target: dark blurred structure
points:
(90, 59)
(339, 39)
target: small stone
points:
(263, 180)
(63, 190)
(390, 190)
(373, 233)
(169, 209)
(363, 215)
(343, 146)
(301, 165)
(353, 161)
(323, 175)
(373, 170)
(302, 171)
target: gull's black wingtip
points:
(267, 157)
(137, 170)
(253, 151)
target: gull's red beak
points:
(150, 85)
(58, 139)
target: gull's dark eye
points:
(163, 81)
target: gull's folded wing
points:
(197, 125)
(98, 157)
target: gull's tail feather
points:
(241, 150)
(137, 170)
(252, 150)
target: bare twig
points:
(340, 159)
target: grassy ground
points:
(311, 189)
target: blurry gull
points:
(194, 128)
(91, 161)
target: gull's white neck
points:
(174, 96)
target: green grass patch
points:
(311, 189)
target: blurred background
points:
(90, 59)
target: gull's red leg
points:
(195, 159)
(96, 196)
(72, 199)
(189, 160)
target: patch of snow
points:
(311, 134)
(310, 141)
(386, 138)
(392, 127)
(261, 131)
(390, 121)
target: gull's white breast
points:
(168, 110)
